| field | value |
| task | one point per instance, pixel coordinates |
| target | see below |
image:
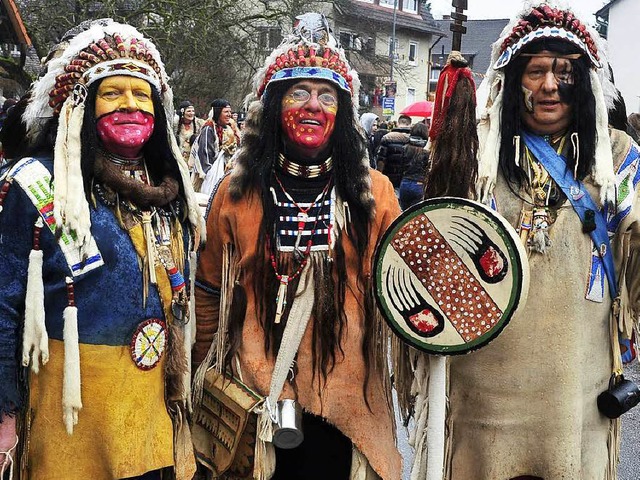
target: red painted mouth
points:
(129, 118)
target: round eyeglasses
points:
(303, 96)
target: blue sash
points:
(580, 199)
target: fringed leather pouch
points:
(220, 425)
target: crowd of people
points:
(141, 339)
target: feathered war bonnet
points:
(538, 20)
(101, 49)
(309, 52)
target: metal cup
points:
(288, 432)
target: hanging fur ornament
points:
(603, 173)
(70, 206)
(453, 134)
(71, 397)
(35, 341)
(540, 240)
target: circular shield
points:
(148, 343)
(449, 275)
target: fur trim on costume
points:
(35, 341)
(71, 396)
(490, 92)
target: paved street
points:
(630, 450)
(629, 468)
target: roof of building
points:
(476, 43)
(419, 22)
(13, 31)
(605, 8)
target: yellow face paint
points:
(123, 93)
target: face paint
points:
(123, 93)
(528, 102)
(308, 117)
(545, 109)
(125, 133)
(124, 112)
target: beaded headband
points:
(547, 22)
(309, 53)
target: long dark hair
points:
(262, 143)
(160, 161)
(579, 96)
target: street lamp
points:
(392, 53)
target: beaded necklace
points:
(285, 279)
(304, 171)
(303, 213)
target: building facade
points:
(387, 68)
(618, 20)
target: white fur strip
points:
(77, 208)
(60, 164)
(603, 174)
(489, 135)
(71, 396)
(70, 207)
(35, 341)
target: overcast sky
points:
(479, 9)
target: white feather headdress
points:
(554, 18)
(104, 48)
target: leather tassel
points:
(35, 341)
(71, 395)
(150, 259)
(264, 464)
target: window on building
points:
(269, 37)
(387, 3)
(393, 48)
(413, 52)
(411, 95)
(350, 41)
(435, 73)
(410, 6)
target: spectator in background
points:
(369, 122)
(187, 128)
(417, 160)
(216, 144)
(383, 129)
(390, 155)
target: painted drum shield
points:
(449, 275)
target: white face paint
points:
(528, 101)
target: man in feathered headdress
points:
(94, 231)
(292, 231)
(525, 406)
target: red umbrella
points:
(422, 108)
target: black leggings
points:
(324, 454)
